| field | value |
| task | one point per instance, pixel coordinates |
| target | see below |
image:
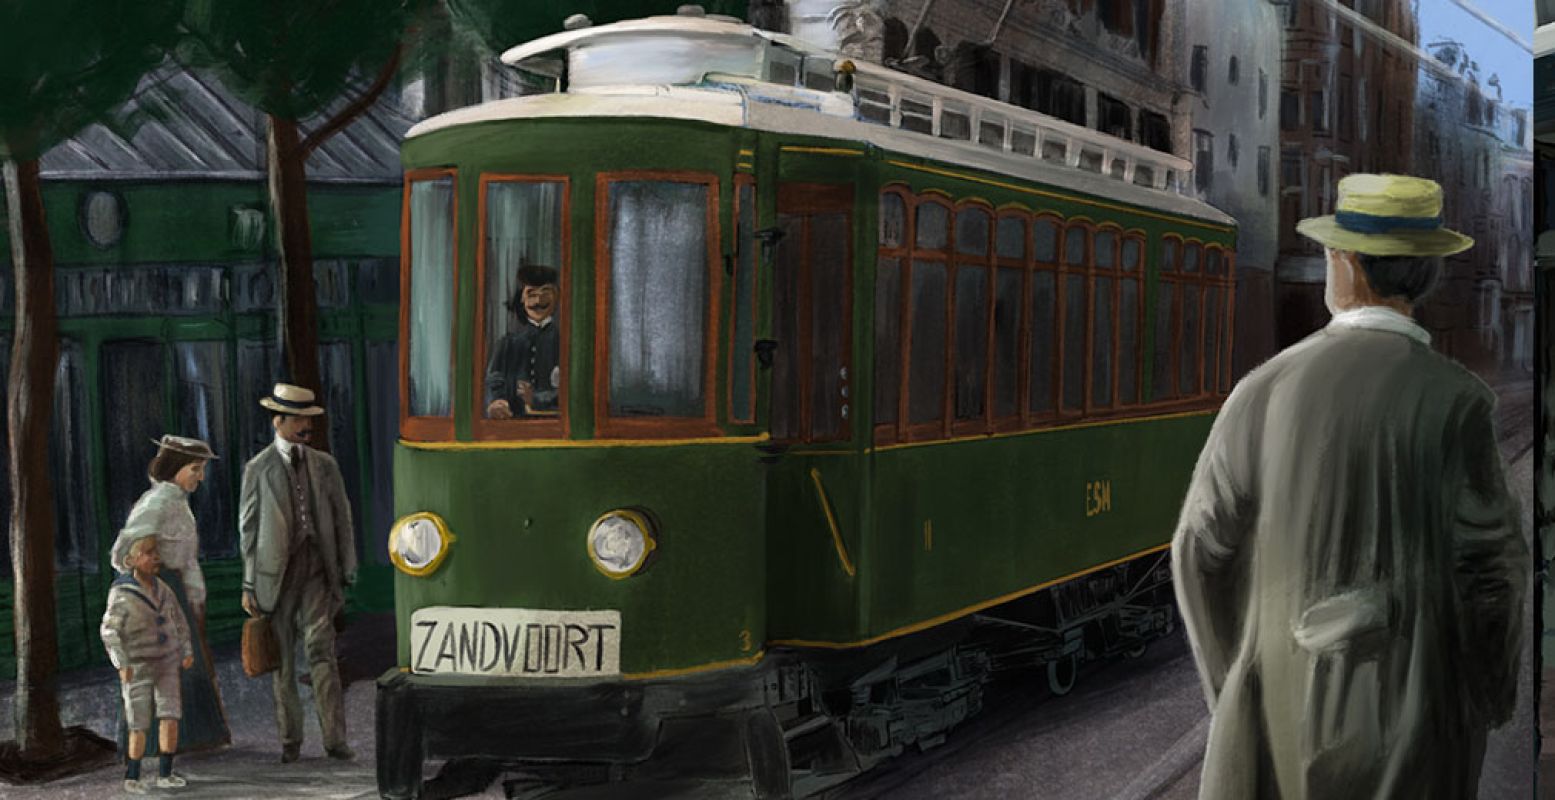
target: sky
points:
(1495, 53)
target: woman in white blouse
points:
(176, 471)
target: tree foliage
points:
(292, 58)
(69, 63)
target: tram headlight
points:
(418, 543)
(619, 543)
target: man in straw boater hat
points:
(1348, 561)
(299, 558)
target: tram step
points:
(809, 724)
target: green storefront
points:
(166, 289)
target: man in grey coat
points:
(299, 558)
(1348, 562)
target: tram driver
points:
(523, 377)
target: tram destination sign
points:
(515, 642)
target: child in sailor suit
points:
(148, 641)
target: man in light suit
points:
(1349, 563)
(299, 558)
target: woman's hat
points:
(1386, 215)
(185, 445)
(288, 399)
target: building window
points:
(1360, 108)
(1231, 150)
(1263, 94)
(1290, 169)
(1263, 171)
(1290, 110)
(1114, 117)
(1346, 113)
(1292, 13)
(1233, 73)
(102, 218)
(1203, 159)
(1154, 131)
(1200, 67)
(1318, 110)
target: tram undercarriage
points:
(804, 722)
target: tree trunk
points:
(299, 312)
(29, 403)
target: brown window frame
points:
(427, 429)
(605, 425)
(1055, 368)
(549, 427)
(1138, 274)
(1208, 388)
(748, 417)
(892, 432)
(958, 262)
(1096, 406)
(1023, 266)
(1087, 271)
(908, 431)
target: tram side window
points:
(971, 362)
(524, 317)
(1106, 261)
(430, 297)
(929, 338)
(1164, 373)
(888, 306)
(1075, 286)
(1011, 260)
(658, 298)
(1044, 316)
(1129, 321)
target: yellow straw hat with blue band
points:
(1387, 215)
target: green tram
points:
(868, 389)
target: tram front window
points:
(523, 304)
(658, 296)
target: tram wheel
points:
(1137, 651)
(1061, 673)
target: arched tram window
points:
(993, 321)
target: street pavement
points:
(1132, 729)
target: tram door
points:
(812, 314)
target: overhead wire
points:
(1412, 50)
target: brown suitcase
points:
(261, 654)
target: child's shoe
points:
(173, 781)
(134, 786)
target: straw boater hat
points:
(185, 445)
(1387, 215)
(288, 399)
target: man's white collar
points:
(284, 446)
(544, 323)
(1380, 318)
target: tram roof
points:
(720, 70)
